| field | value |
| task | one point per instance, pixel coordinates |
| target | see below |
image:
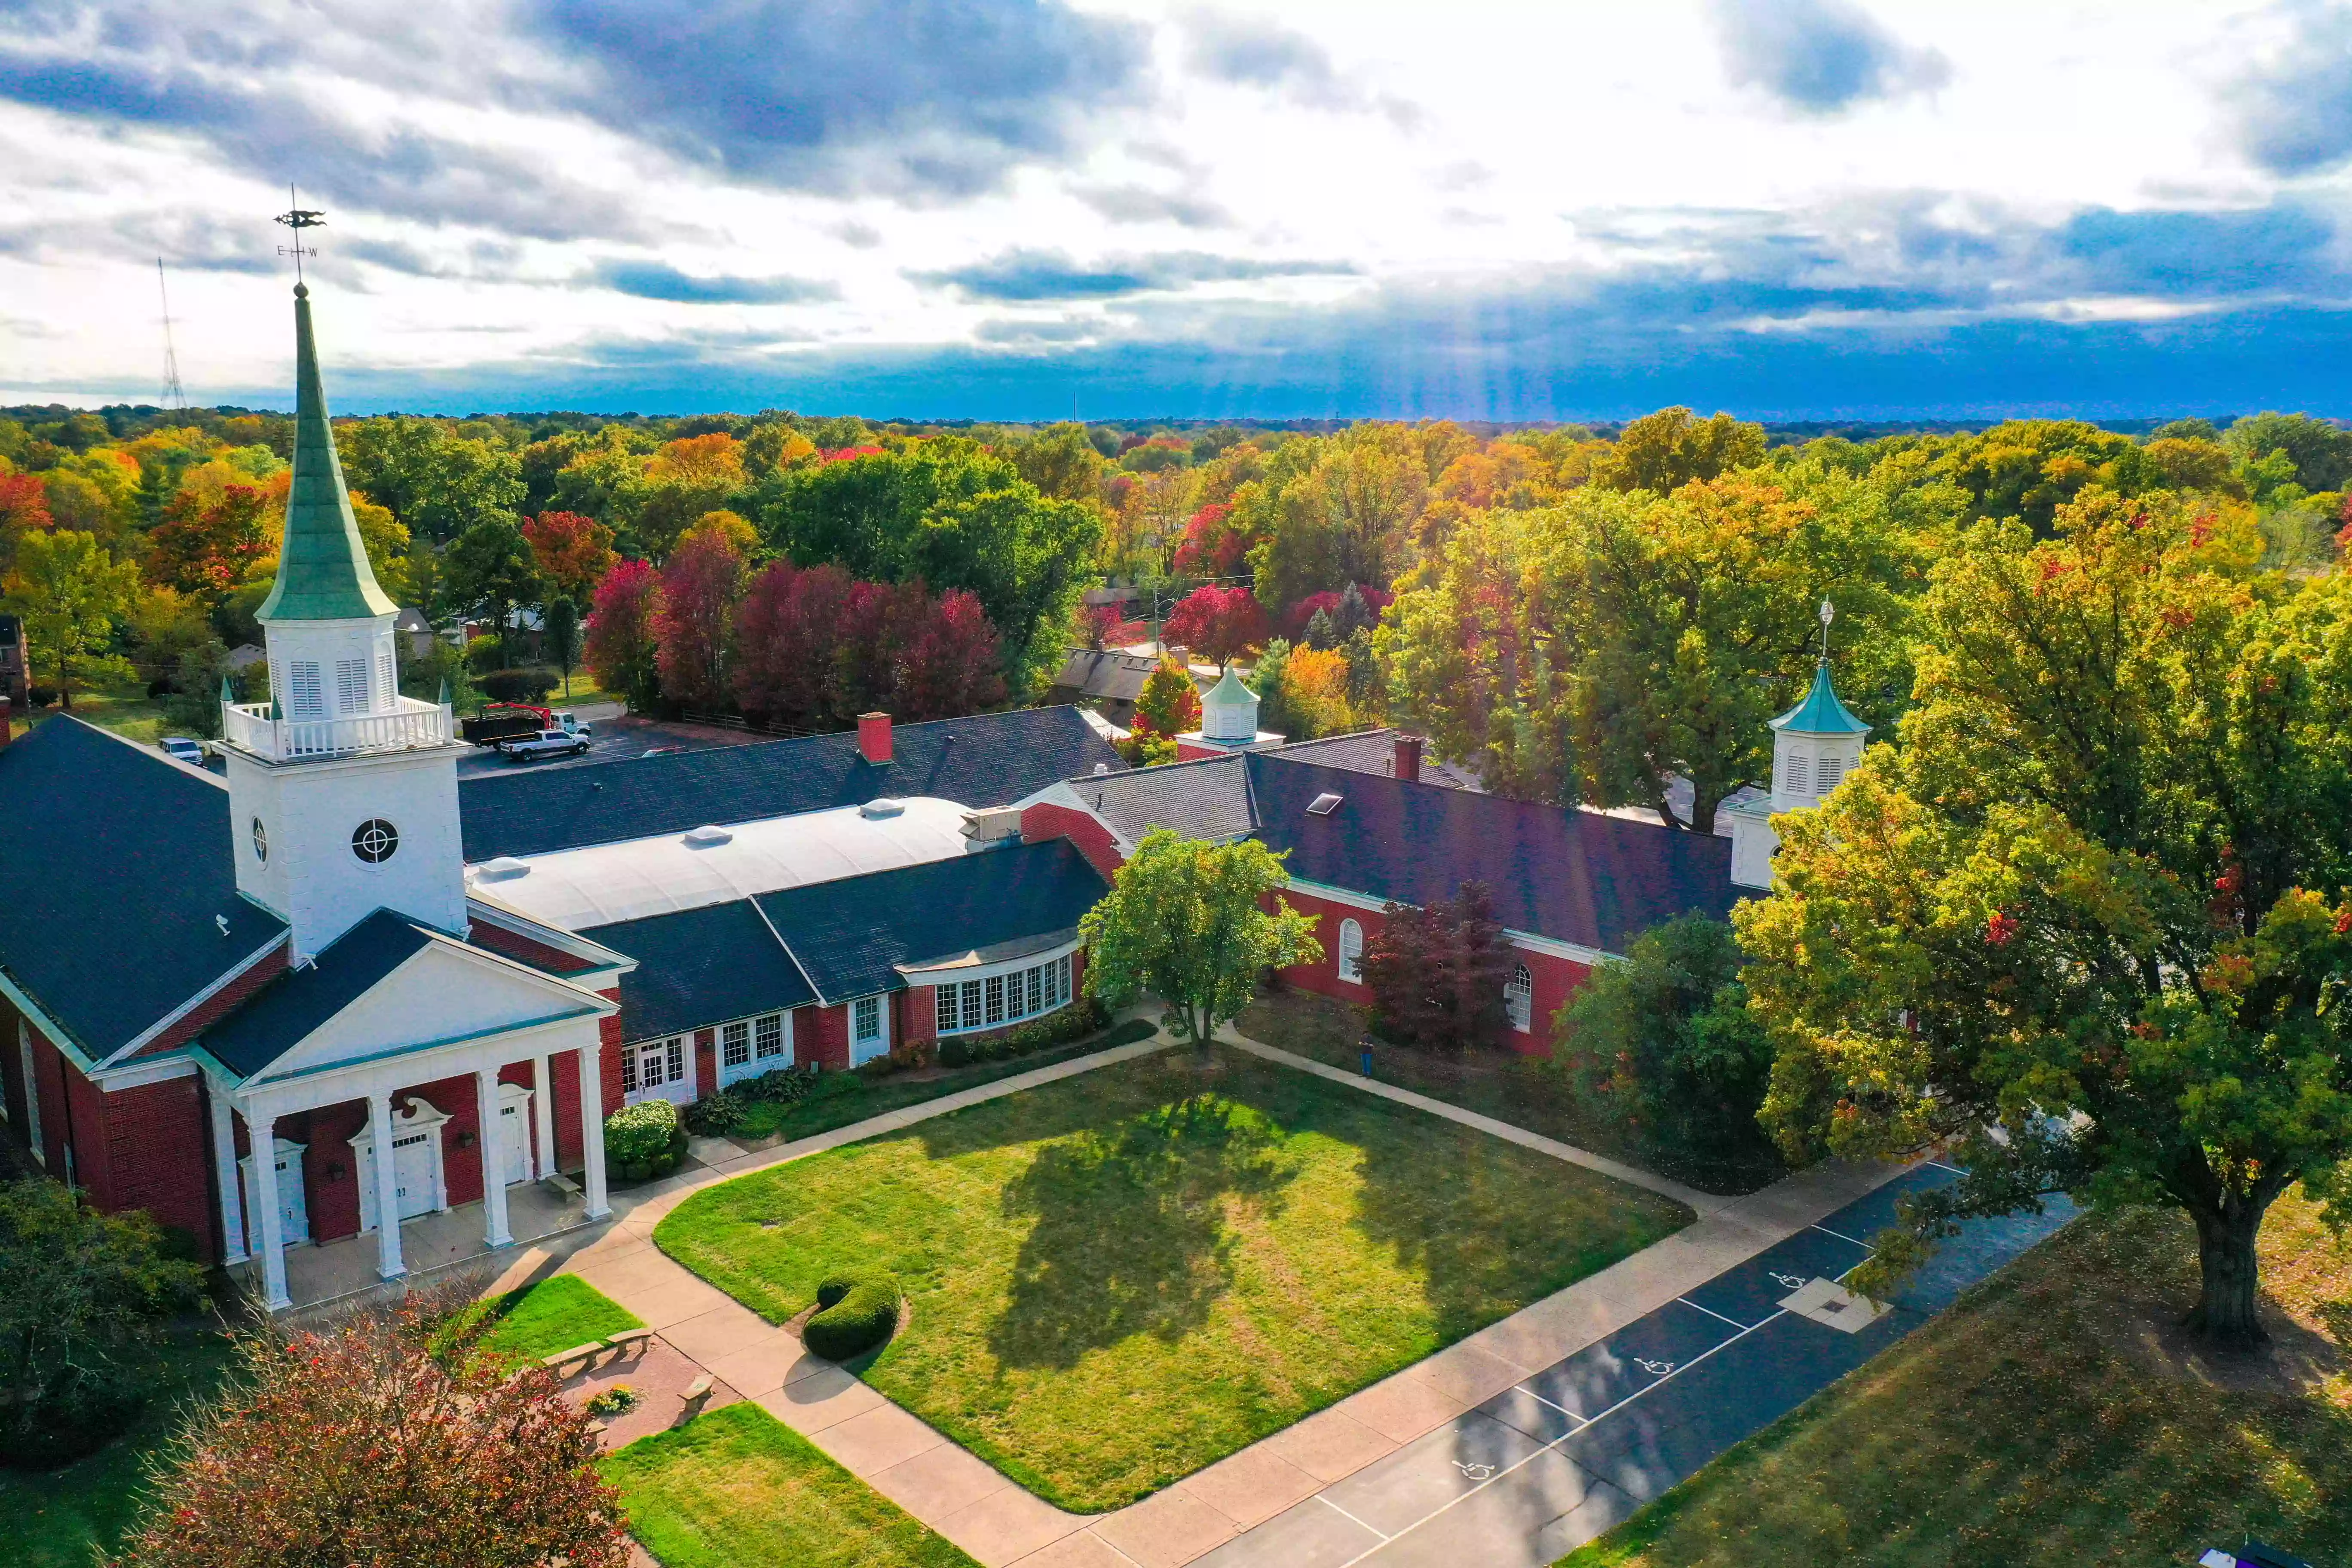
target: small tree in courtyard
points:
(1168, 704)
(383, 1442)
(1436, 974)
(2092, 921)
(1187, 922)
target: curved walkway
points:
(998, 1523)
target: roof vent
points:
(882, 807)
(1102, 770)
(706, 837)
(1323, 805)
(504, 866)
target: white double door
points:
(293, 1209)
(416, 1175)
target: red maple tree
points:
(1222, 623)
(702, 584)
(572, 552)
(621, 647)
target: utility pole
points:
(176, 397)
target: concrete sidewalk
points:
(998, 1522)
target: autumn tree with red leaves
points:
(1436, 974)
(573, 552)
(701, 587)
(200, 549)
(383, 1442)
(816, 648)
(1222, 623)
(621, 650)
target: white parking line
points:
(1563, 1409)
(1711, 1312)
(1351, 1519)
(1842, 1236)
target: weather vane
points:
(1829, 614)
(297, 218)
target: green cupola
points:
(322, 570)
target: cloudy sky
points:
(1789, 208)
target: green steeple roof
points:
(1821, 714)
(322, 573)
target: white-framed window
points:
(996, 1000)
(1520, 998)
(768, 1036)
(866, 1019)
(750, 1046)
(1351, 951)
(351, 686)
(1832, 770)
(650, 1064)
(735, 1044)
(305, 697)
(1801, 773)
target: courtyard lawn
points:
(63, 1518)
(737, 1488)
(2055, 1416)
(557, 1313)
(1121, 1277)
(842, 1098)
(1500, 1083)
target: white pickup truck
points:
(546, 743)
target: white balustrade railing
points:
(250, 727)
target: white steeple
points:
(342, 793)
(1814, 745)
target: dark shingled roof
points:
(282, 1014)
(701, 966)
(114, 862)
(1574, 876)
(1205, 799)
(989, 759)
(851, 935)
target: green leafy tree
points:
(76, 1286)
(1663, 1043)
(1169, 703)
(1189, 922)
(1060, 461)
(2320, 451)
(1666, 451)
(2090, 922)
(491, 569)
(70, 593)
(437, 485)
(562, 627)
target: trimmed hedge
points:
(1083, 1016)
(643, 1141)
(856, 1311)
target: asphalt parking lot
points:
(613, 737)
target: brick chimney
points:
(1408, 756)
(874, 737)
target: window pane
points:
(629, 1070)
(677, 1059)
(770, 1034)
(972, 1004)
(1061, 979)
(995, 984)
(1036, 978)
(947, 1008)
(735, 1044)
(869, 1017)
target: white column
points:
(263, 1131)
(388, 1265)
(492, 1142)
(232, 1197)
(542, 1111)
(592, 1127)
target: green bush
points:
(532, 683)
(955, 1051)
(856, 1311)
(1076, 1021)
(781, 1086)
(75, 1414)
(644, 1141)
(718, 1113)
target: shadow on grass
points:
(1129, 1234)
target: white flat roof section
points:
(573, 889)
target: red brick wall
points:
(706, 1060)
(331, 1167)
(1191, 752)
(1557, 979)
(515, 945)
(155, 1155)
(918, 1023)
(222, 1003)
(821, 1035)
(1042, 821)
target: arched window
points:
(1351, 951)
(1520, 998)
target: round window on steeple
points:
(260, 842)
(374, 840)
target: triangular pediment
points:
(446, 993)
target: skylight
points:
(1323, 805)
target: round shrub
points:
(717, 1114)
(75, 1414)
(644, 1141)
(529, 683)
(856, 1311)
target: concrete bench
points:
(698, 1391)
(630, 1341)
(584, 1355)
(564, 1185)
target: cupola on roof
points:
(1821, 714)
(323, 569)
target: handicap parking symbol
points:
(1790, 1281)
(1654, 1368)
(1475, 1472)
